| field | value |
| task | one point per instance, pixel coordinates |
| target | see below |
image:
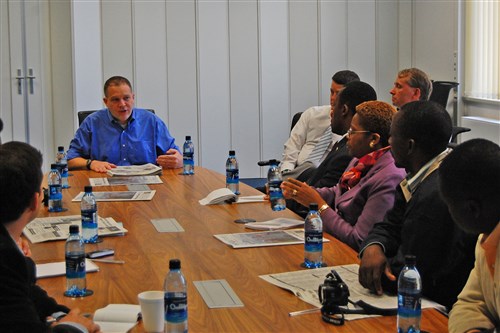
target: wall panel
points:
(117, 39)
(182, 72)
(333, 41)
(304, 58)
(244, 85)
(275, 77)
(150, 56)
(214, 94)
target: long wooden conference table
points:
(146, 253)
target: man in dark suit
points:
(24, 306)
(419, 223)
(329, 171)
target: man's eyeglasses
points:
(351, 132)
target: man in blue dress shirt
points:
(122, 134)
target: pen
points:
(109, 261)
(298, 313)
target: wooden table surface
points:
(146, 254)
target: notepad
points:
(218, 294)
(59, 268)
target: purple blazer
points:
(353, 213)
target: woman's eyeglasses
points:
(351, 132)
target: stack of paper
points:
(59, 268)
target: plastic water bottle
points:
(55, 189)
(313, 238)
(188, 156)
(89, 216)
(176, 311)
(274, 181)
(62, 161)
(232, 173)
(76, 283)
(409, 297)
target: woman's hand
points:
(301, 192)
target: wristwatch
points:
(56, 316)
(323, 208)
(89, 162)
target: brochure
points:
(59, 268)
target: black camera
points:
(333, 294)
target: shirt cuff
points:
(378, 243)
(69, 327)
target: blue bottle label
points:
(313, 241)
(175, 307)
(232, 176)
(75, 266)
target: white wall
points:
(232, 73)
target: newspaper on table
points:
(135, 170)
(264, 238)
(225, 195)
(120, 196)
(43, 229)
(125, 180)
(304, 284)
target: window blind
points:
(482, 49)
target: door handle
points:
(19, 79)
(30, 79)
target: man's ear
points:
(36, 201)
(411, 146)
(417, 94)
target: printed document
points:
(305, 283)
(275, 224)
(225, 195)
(44, 229)
(265, 238)
(120, 196)
(130, 180)
(117, 318)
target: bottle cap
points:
(60, 148)
(273, 162)
(232, 152)
(313, 206)
(88, 189)
(410, 259)
(174, 264)
(54, 166)
(188, 137)
(73, 229)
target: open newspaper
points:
(264, 238)
(304, 284)
(120, 196)
(135, 170)
(43, 229)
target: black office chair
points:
(295, 119)
(84, 114)
(440, 94)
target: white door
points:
(22, 74)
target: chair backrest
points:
(441, 92)
(295, 119)
(84, 114)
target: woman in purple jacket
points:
(365, 192)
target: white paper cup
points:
(153, 310)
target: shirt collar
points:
(114, 121)
(489, 243)
(410, 184)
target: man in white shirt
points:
(313, 124)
